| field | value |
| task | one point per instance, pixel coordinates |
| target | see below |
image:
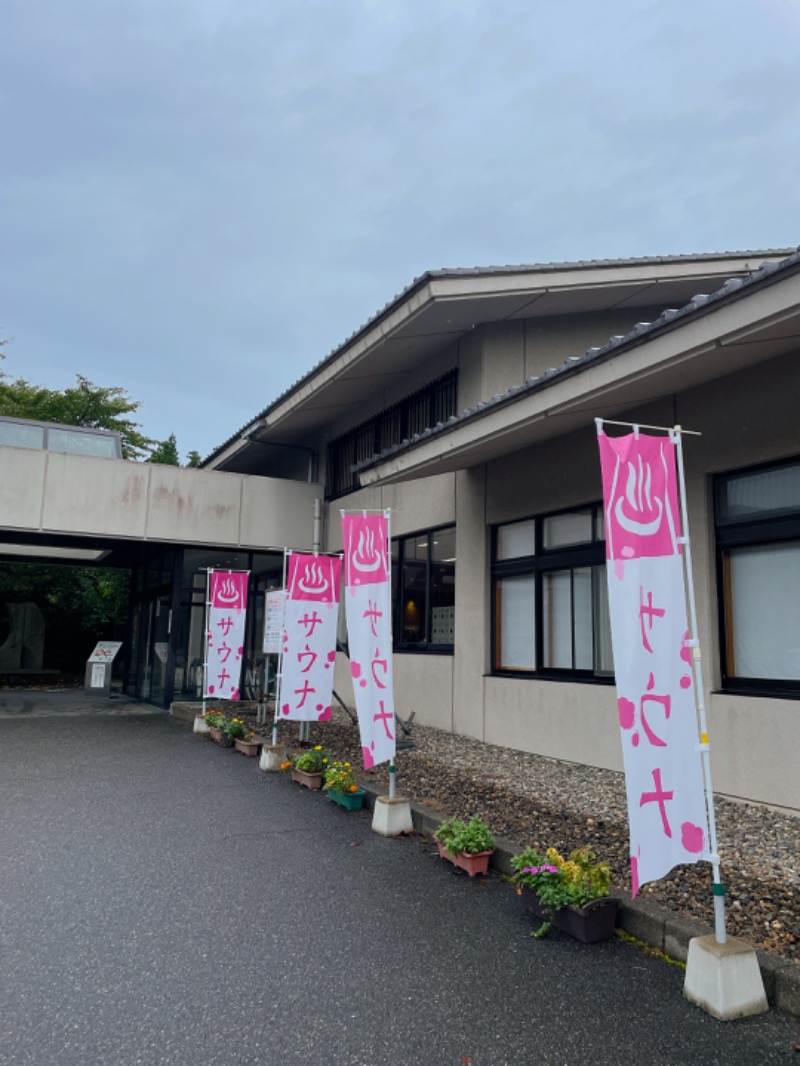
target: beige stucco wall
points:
(746, 418)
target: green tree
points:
(84, 404)
(194, 459)
(166, 452)
(80, 605)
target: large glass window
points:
(758, 546)
(550, 597)
(424, 590)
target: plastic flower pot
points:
(247, 747)
(312, 781)
(220, 737)
(474, 863)
(351, 801)
(591, 923)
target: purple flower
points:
(531, 870)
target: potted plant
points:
(243, 738)
(217, 727)
(309, 766)
(341, 786)
(571, 893)
(467, 845)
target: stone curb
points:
(654, 925)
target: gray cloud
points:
(183, 180)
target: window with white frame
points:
(758, 566)
(424, 590)
(550, 603)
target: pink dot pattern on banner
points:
(235, 694)
(627, 552)
(363, 682)
(241, 650)
(686, 681)
(369, 762)
(635, 740)
(320, 706)
(355, 669)
(627, 713)
(692, 837)
(325, 716)
(285, 708)
(634, 876)
(331, 656)
(211, 688)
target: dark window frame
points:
(564, 558)
(780, 526)
(420, 410)
(424, 647)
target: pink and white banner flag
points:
(369, 631)
(652, 663)
(227, 612)
(311, 612)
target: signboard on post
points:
(656, 699)
(273, 621)
(227, 613)
(309, 637)
(98, 668)
(368, 601)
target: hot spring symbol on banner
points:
(652, 659)
(311, 613)
(369, 631)
(227, 612)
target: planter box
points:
(220, 738)
(352, 801)
(247, 747)
(590, 924)
(313, 781)
(473, 863)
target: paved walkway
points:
(162, 901)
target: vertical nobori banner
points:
(227, 612)
(368, 602)
(311, 613)
(652, 660)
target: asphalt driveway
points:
(162, 901)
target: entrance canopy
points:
(84, 509)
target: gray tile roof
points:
(467, 272)
(578, 362)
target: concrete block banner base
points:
(272, 755)
(200, 724)
(391, 817)
(724, 979)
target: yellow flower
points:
(318, 747)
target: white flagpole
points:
(206, 634)
(392, 768)
(694, 644)
(279, 678)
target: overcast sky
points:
(200, 199)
